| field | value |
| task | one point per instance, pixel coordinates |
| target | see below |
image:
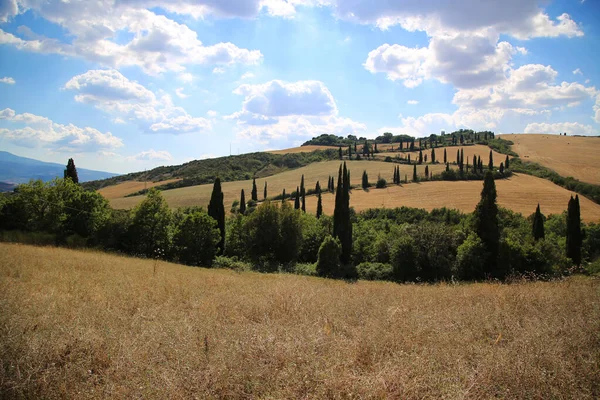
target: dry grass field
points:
(86, 325)
(578, 157)
(469, 152)
(302, 149)
(200, 195)
(520, 193)
(125, 188)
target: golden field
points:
(469, 152)
(578, 157)
(128, 187)
(200, 195)
(86, 325)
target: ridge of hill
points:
(16, 169)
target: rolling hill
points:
(15, 169)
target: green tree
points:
(538, 224)
(328, 261)
(426, 171)
(254, 193)
(574, 237)
(216, 209)
(445, 156)
(365, 180)
(283, 196)
(491, 161)
(196, 239)
(71, 171)
(501, 168)
(470, 259)
(303, 194)
(242, 203)
(340, 154)
(290, 234)
(342, 226)
(415, 178)
(486, 224)
(151, 225)
(507, 162)
(265, 191)
(297, 199)
(420, 157)
(262, 232)
(319, 206)
(433, 156)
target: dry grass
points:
(90, 325)
(520, 193)
(469, 152)
(200, 195)
(125, 188)
(578, 157)
(303, 149)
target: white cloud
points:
(114, 94)
(8, 80)
(412, 102)
(596, 116)
(278, 99)
(399, 63)
(577, 72)
(180, 94)
(218, 71)
(212, 113)
(150, 155)
(247, 75)
(40, 131)
(185, 77)
(158, 44)
(571, 128)
(8, 9)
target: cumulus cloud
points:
(35, 131)
(247, 75)
(150, 155)
(279, 99)
(8, 80)
(412, 102)
(113, 93)
(596, 116)
(8, 9)
(157, 44)
(577, 72)
(180, 94)
(572, 128)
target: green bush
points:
(328, 261)
(231, 263)
(375, 271)
(381, 183)
(593, 268)
(308, 269)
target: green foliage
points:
(313, 232)
(365, 180)
(235, 241)
(71, 171)
(232, 263)
(151, 226)
(403, 258)
(290, 233)
(254, 193)
(486, 225)
(538, 224)
(196, 239)
(375, 271)
(328, 261)
(216, 210)
(342, 226)
(574, 236)
(242, 202)
(470, 259)
(381, 183)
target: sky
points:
(125, 85)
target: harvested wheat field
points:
(469, 152)
(125, 188)
(578, 157)
(91, 325)
(200, 195)
(520, 193)
(303, 149)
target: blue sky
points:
(123, 85)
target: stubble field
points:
(89, 325)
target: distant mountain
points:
(7, 187)
(15, 170)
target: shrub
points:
(375, 271)
(470, 258)
(231, 263)
(381, 183)
(308, 269)
(328, 261)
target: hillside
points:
(574, 156)
(15, 169)
(106, 326)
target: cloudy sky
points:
(123, 85)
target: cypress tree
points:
(71, 171)
(242, 203)
(420, 157)
(319, 206)
(415, 173)
(457, 157)
(433, 156)
(318, 188)
(409, 158)
(486, 224)
(491, 162)
(342, 226)
(355, 152)
(254, 193)
(501, 168)
(447, 167)
(216, 210)
(303, 194)
(475, 163)
(376, 151)
(426, 171)
(283, 196)
(538, 224)
(365, 180)
(349, 152)
(462, 159)
(340, 155)
(574, 237)
(297, 200)
(265, 191)
(506, 163)
(445, 156)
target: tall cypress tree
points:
(283, 196)
(506, 163)
(365, 180)
(462, 159)
(340, 154)
(457, 157)
(319, 206)
(242, 203)
(426, 171)
(265, 191)
(447, 167)
(433, 156)
(254, 192)
(342, 226)
(486, 224)
(71, 171)
(475, 163)
(318, 188)
(491, 162)
(538, 224)
(216, 210)
(349, 152)
(415, 173)
(420, 157)
(574, 237)
(303, 193)
(445, 156)
(297, 200)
